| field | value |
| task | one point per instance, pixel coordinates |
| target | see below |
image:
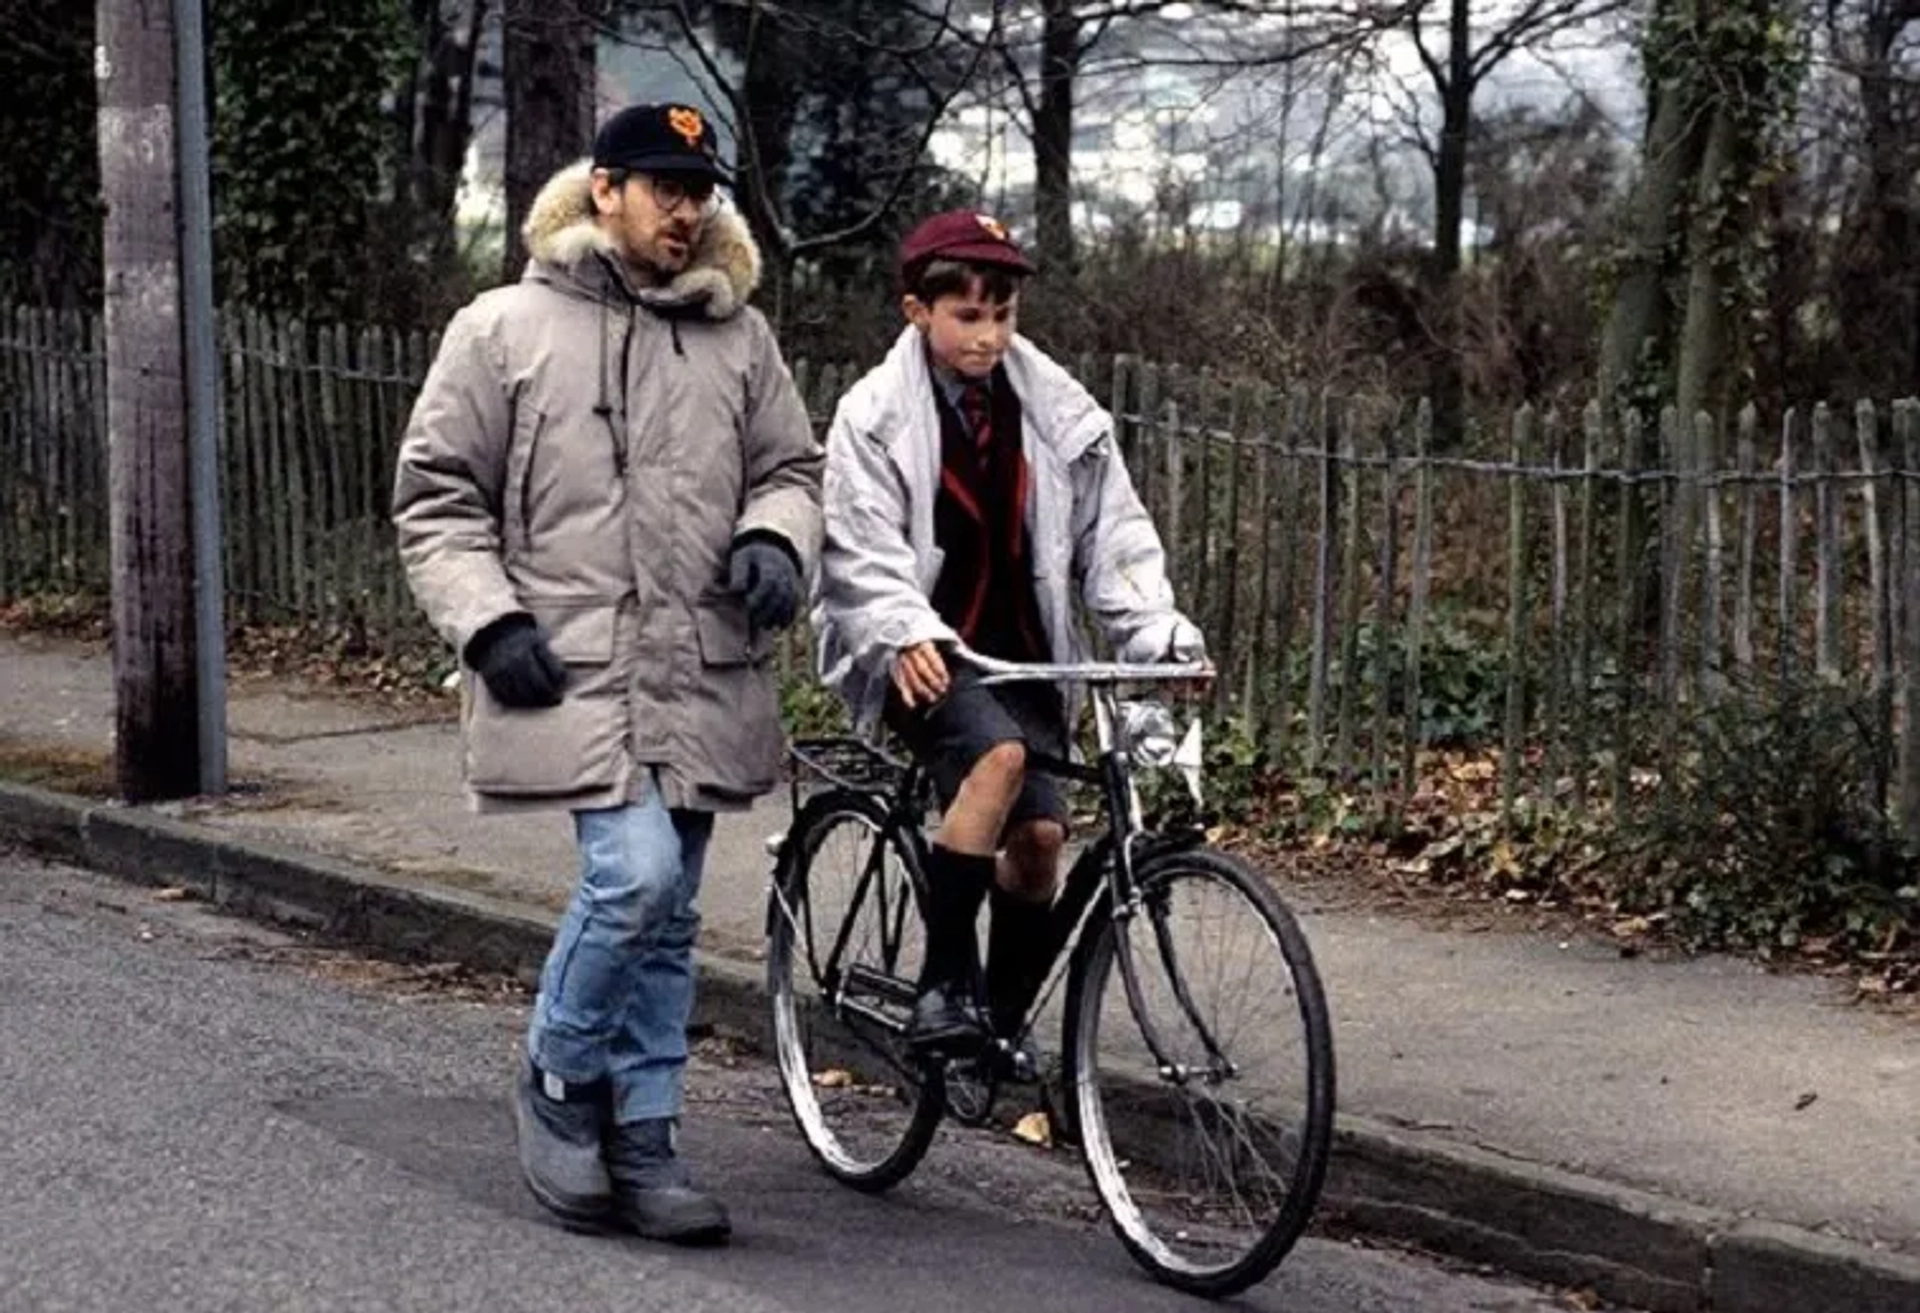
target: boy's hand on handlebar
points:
(1186, 645)
(920, 675)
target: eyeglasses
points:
(670, 193)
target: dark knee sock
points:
(1019, 938)
(956, 883)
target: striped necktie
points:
(977, 411)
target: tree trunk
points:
(1449, 210)
(439, 148)
(1639, 321)
(765, 99)
(1889, 214)
(156, 689)
(1704, 329)
(548, 67)
(1053, 135)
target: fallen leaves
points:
(838, 1078)
(342, 659)
(1034, 1128)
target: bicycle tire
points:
(1094, 960)
(793, 945)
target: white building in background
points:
(1224, 140)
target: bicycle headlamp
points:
(1154, 742)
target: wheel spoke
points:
(1202, 1073)
(862, 1103)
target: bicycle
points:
(844, 942)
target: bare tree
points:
(1459, 49)
(1051, 110)
(761, 60)
(548, 64)
(433, 115)
(1544, 184)
(1868, 124)
(1049, 50)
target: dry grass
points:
(87, 772)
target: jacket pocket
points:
(734, 713)
(580, 633)
(578, 746)
(725, 634)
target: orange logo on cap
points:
(995, 229)
(688, 123)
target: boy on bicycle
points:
(971, 488)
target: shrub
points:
(1772, 827)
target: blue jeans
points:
(617, 988)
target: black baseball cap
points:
(660, 139)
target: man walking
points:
(608, 500)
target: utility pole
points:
(162, 401)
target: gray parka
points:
(588, 453)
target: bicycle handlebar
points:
(995, 671)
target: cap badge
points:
(688, 123)
(995, 229)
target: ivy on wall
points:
(49, 168)
(304, 150)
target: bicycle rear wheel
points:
(844, 946)
(1208, 1142)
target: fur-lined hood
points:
(561, 232)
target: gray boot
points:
(654, 1192)
(560, 1130)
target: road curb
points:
(1626, 1245)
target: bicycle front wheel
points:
(1200, 1072)
(844, 946)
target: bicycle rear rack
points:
(846, 763)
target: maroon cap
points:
(966, 236)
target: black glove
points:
(766, 572)
(520, 670)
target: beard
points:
(670, 251)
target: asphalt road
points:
(200, 1114)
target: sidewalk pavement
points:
(1671, 1134)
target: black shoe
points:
(945, 1020)
(559, 1131)
(653, 1191)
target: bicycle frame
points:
(1113, 855)
(1108, 864)
(1110, 861)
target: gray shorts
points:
(950, 736)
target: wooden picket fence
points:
(1360, 590)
